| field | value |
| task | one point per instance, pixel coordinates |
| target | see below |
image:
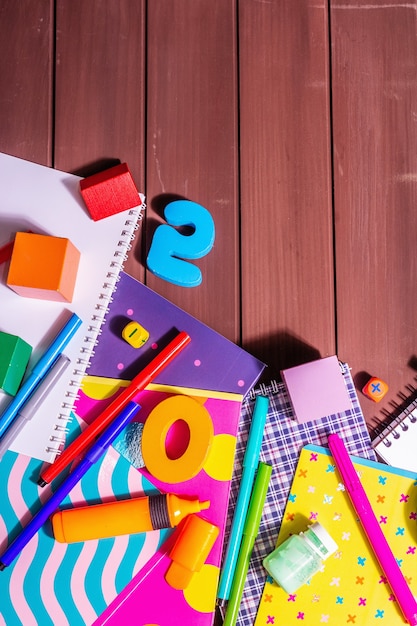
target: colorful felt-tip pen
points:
(32, 405)
(94, 453)
(376, 537)
(250, 463)
(40, 370)
(145, 376)
(250, 531)
(123, 517)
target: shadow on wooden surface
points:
(281, 351)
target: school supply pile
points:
(46, 580)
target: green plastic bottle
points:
(299, 557)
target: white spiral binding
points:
(262, 389)
(399, 425)
(276, 387)
(94, 328)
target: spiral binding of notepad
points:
(397, 422)
(263, 389)
(94, 328)
(275, 386)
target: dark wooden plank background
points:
(293, 122)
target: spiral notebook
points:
(47, 201)
(397, 443)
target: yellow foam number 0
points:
(154, 439)
(169, 247)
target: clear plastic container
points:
(298, 558)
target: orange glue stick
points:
(123, 517)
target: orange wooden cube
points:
(109, 192)
(43, 267)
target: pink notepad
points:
(316, 389)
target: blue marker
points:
(96, 451)
(39, 371)
(250, 463)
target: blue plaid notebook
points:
(283, 440)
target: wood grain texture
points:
(375, 137)
(286, 211)
(26, 71)
(192, 145)
(293, 122)
(100, 89)
(232, 104)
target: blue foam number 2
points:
(169, 247)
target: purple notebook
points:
(210, 361)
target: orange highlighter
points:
(123, 517)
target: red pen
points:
(139, 383)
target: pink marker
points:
(372, 529)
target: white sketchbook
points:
(47, 201)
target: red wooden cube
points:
(109, 192)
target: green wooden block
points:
(14, 357)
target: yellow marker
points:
(123, 517)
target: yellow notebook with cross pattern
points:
(350, 588)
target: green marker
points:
(250, 532)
